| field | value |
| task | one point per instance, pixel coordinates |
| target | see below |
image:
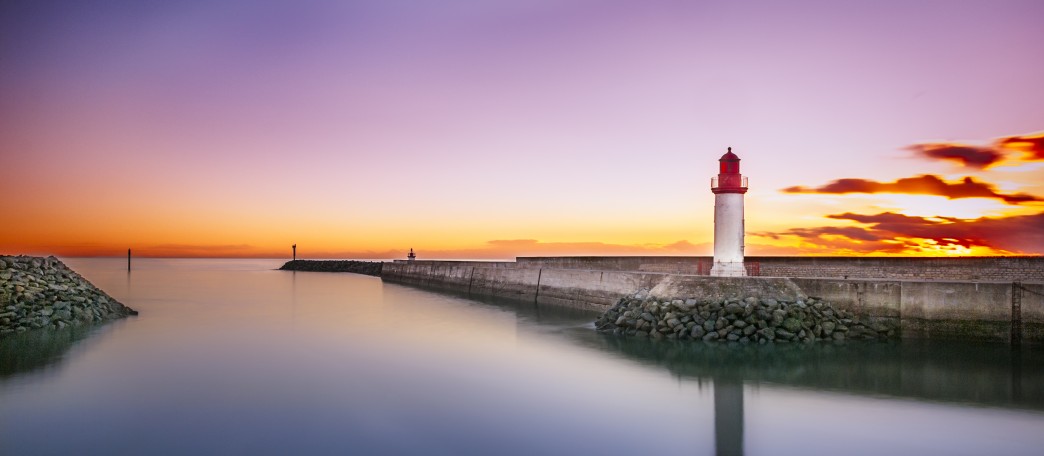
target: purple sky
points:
(380, 125)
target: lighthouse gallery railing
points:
(743, 182)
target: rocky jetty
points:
(358, 267)
(44, 293)
(748, 320)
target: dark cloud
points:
(926, 184)
(982, 157)
(891, 233)
(969, 156)
(1032, 145)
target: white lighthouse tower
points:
(728, 189)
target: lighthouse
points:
(728, 189)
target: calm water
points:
(233, 357)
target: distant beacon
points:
(411, 257)
(728, 189)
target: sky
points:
(495, 129)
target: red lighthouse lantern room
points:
(729, 179)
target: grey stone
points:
(697, 332)
(828, 327)
(733, 309)
(681, 306)
(792, 324)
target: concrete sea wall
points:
(998, 311)
(1007, 269)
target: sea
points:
(233, 356)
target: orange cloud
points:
(982, 157)
(925, 184)
(892, 233)
(1032, 145)
(969, 156)
(146, 251)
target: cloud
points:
(92, 249)
(202, 250)
(1032, 145)
(981, 157)
(892, 233)
(925, 184)
(969, 156)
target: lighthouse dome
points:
(729, 156)
(729, 163)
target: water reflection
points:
(985, 374)
(235, 357)
(994, 375)
(980, 374)
(728, 417)
(39, 350)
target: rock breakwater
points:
(372, 268)
(747, 320)
(40, 292)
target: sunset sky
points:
(490, 129)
